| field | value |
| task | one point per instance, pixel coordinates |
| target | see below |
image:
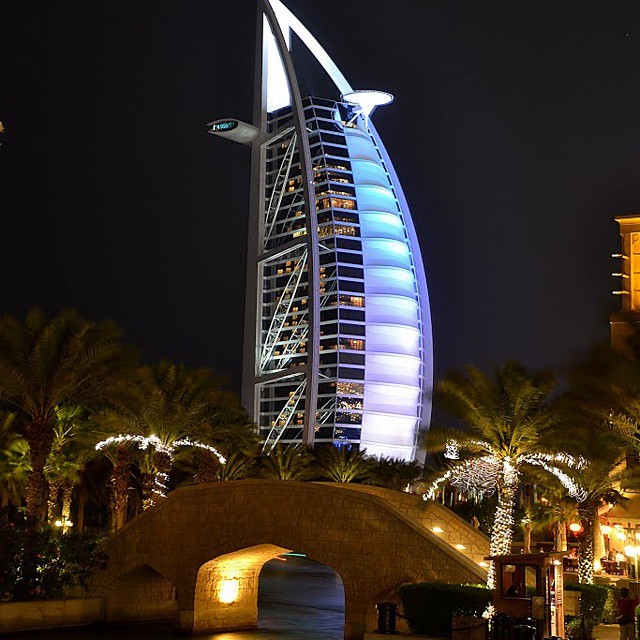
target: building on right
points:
(624, 322)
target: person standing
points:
(627, 615)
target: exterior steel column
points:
(308, 187)
(251, 329)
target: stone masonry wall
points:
(430, 514)
(371, 544)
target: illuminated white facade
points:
(338, 345)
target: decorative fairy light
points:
(493, 472)
(479, 474)
(144, 442)
(187, 442)
(160, 486)
(452, 450)
(576, 491)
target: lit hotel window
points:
(340, 203)
(351, 301)
(350, 388)
(344, 230)
(352, 343)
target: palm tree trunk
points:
(148, 485)
(82, 501)
(67, 496)
(119, 494)
(39, 435)
(598, 543)
(52, 500)
(561, 535)
(207, 469)
(585, 562)
(527, 536)
(502, 530)
(154, 484)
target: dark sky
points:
(516, 135)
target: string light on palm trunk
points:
(495, 471)
(160, 484)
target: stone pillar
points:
(227, 602)
(355, 615)
(226, 591)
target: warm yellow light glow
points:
(621, 535)
(637, 535)
(229, 590)
(460, 547)
(597, 566)
(483, 563)
(58, 523)
(606, 529)
(437, 530)
(619, 557)
(630, 551)
(575, 527)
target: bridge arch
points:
(367, 537)
(226, 596)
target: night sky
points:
(515, 133)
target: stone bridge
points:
(196, 557)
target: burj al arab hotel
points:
(338, 345)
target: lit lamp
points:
(606, 529)
(621, 535)
(575, 527)
(229, 590)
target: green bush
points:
(39, 564)
(610, 607)
(592, 604)
(573, 629)
(429, 606)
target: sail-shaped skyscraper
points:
(338, 345)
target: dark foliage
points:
(429, 606)
(39, 563)
(592, 601)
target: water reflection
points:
(298, 600)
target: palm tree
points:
(344, 464)
(605, 481)
(71, 449)
(47, 364)
(555, 510)
(170, 407)
(395, 473)
(292, 462)
(508, 423)
(601, 415)
(14, 462)
(237, 467)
